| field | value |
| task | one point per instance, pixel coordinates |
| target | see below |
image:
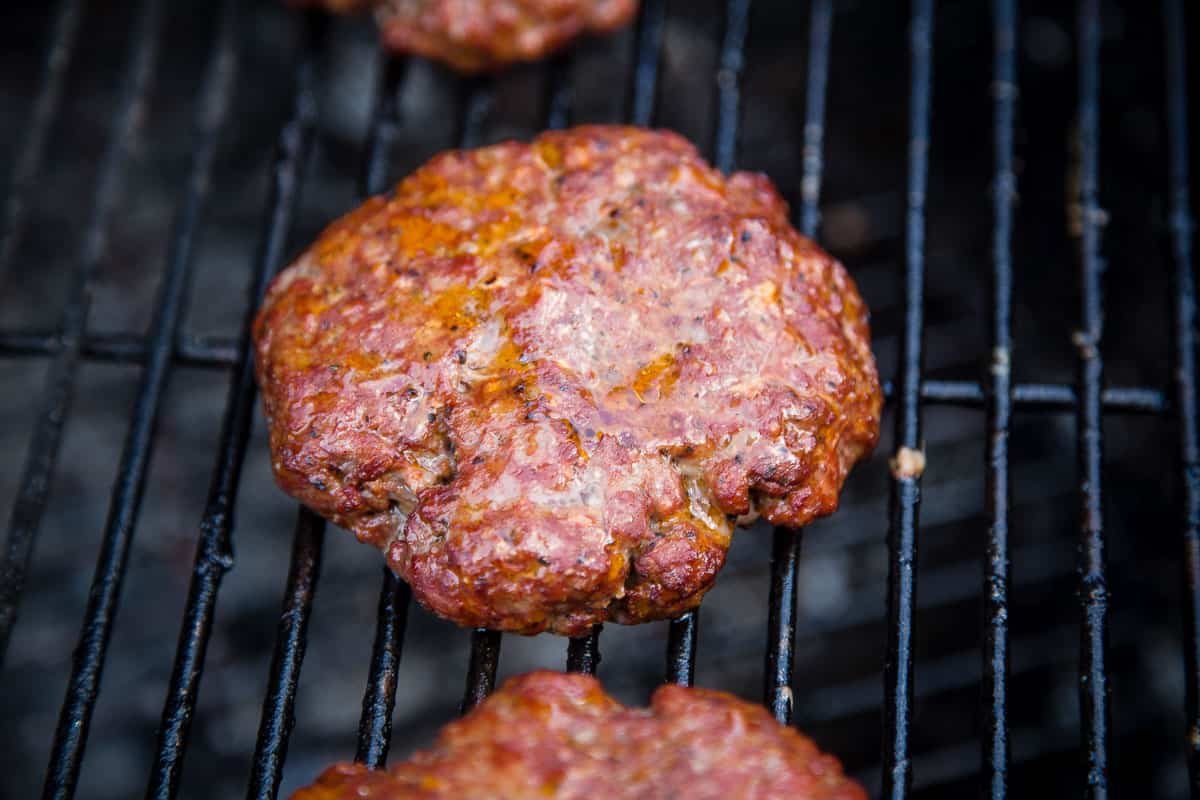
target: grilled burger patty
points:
(475, 35)
(548, 379)
(549, 735)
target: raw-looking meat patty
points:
(476, 35)
(547, 735)
(548, 379)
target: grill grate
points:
(166, 346)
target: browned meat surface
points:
(547, 735)
(475, 35)
(547, 379)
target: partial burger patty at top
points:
(546, 735)
(548, 379)
(475, 35)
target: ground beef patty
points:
(548, 379)
(550, 735)
(475, 35)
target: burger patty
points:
(548, 735)
(548, 379)
(476, 35)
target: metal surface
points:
(998, 395)
(55, 405)
(583, 653)
(63, 37)
(998, 498)
(279, 704)
(1181, 228)
(84, 684)
(214, 550)
(1093, 582)
(906, 484)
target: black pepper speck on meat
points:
(549, 379)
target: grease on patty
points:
(548, 379)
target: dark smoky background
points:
(842, 628)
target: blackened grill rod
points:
(63, 37)
(379, 698)
(481, 672)
(906, 477)
(279, 702)
(820, 35)
(100, 617)
(559, 92)
(729, 84)
(218, 352)
(1093, 587)
(785, 547)
(583, 653)
(781, 624)
(1181, 227)
(998, 497)
(651, 22)
(214, 550)
(55, 404)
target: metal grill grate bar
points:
(1181, 227)
(123, 348)
(785, 547)
(63, 37)
(652, 21)
(559, 93)
(279, 704)
(481, 672)
(1093, 589)
(164, 347)
(906, 485)
(100, 617)
(998, 498)
(379, 699)
(681, 648)
(729, 89)
(214, 550)
(55, 405)
(583, 653)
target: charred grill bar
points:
(164, 346)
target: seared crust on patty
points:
(548, 735)
(548, 378)
(477, 35)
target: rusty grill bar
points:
(165, 345)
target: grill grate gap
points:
(998, 496)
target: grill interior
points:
(988, 177)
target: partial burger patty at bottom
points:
(475, 35)
(547, 735)
(548, 379)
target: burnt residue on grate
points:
(173, 157)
